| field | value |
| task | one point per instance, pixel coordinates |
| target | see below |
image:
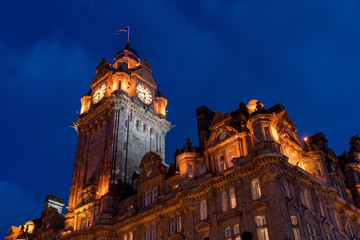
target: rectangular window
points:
(267, 134)
(296, 233)
(236, 229)
(125, 237)
(356, 177)
(232, 198)
(318, 169)
(322, 212)
(178, 223)
(205, 238)
(147, 233)
(190, 171)
(130, 236)
(153, 232)
(287, 189)
(224, 201)
(222, 164)
(262, 233)
(172, 225)
(255, 188)
(227, 232)
(312, 231)
(203, 209)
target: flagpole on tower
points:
(129, 33)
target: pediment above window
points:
(258, 205)
(203, 226)
(176, 236)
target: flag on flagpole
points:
(125, 29)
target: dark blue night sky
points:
(304, 54)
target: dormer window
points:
(149, 174)
(267, 134)
(190, 171)
(222, 164)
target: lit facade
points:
(250, 177)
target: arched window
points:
(231, 156)
(154, 195)
(147, 199)
(222, 164)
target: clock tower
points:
(121, 119)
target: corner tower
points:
(121, 119)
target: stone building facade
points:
(250, 178)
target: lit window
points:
(261, 229)
(153, 232)
(178, 223)
(295, 228)
(149, 174)
(267, 134)
(224, 201)
(125, 237)
(231, 157)
(190, 170)
(236, 229)
(255, 188)
(222, 164)
(154, 195)
(318, 169)
(147, 199)
(328, 237)
(287, 189)
(203, 209)
(232, 198)
(305, 198)
(172, 225)
(130, 236)
(227, 232)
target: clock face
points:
(144, 94)
(99, 93)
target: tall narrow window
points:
(295, 228)
(255, 188)
(287, 189)
(190, 171)
(147, 233)
(231, 157)
(338, 223)
(322, 212)
(130, 236)
(125, 237)
(232, 198)
(261, 229)
(224, 201)
(236, 229)
(318, 169)
(312, 232)
(172, 225)
(178, 223)
(203, 209)
(267, 134)
(147, 199)
(154, 195)
(305, 198)
(356, 177)
(222, 164)
(228, 232)
(153, 232)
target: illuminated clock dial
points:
(99, 93)
(144, 94)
